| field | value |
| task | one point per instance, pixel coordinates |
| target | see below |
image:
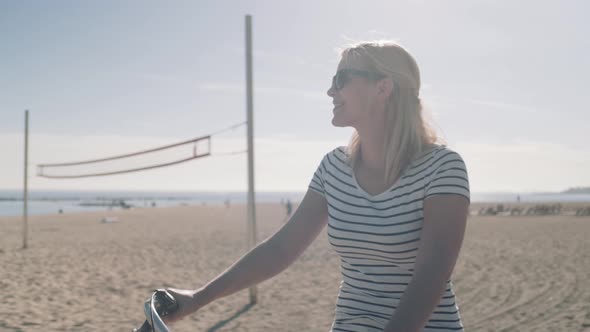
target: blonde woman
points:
(395, 203)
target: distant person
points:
(518, 198)
(289, 207)
(227, 203)
(395, 202)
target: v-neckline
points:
(395, 183)
(374, 196)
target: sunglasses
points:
(343, 76)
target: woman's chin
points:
(336, 122)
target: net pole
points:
(26, 184)
(249, 111)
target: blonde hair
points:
(407, 134)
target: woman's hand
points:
(187, 304)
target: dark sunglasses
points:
(343, 76)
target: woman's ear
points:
(385, 88)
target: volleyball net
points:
(147, 159)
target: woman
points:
(394, 201)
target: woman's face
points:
(353, 98)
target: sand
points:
(80, 274)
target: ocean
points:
(53, 201)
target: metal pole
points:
(26, 189)
(249, 101)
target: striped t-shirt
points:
(377, 236)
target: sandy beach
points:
(515, 273)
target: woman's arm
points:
(271, 256)
(444, 224)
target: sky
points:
(503, 82)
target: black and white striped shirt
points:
(377, 236)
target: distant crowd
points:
(532, 210)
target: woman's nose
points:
(330, 92)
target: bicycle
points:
(160, 304)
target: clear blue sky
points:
(504, 80)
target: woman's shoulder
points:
(338, 156)
(435, 154)
(442, 155)
(449, 153)
(440, 149)
(340, 152)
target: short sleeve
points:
(317, 181)
(449, 177)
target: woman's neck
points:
(371, 150)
